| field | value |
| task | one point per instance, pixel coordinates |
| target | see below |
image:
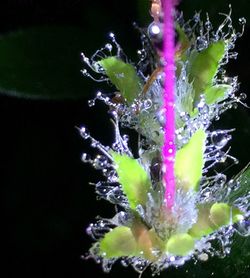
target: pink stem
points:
(169, 149)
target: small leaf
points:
(203, 67)
(221, 214)
(213, 216)
(123, 76)
(244, 180)
(118, 243)
(43, 63)
(203, 225)
(183, 42)
(133, 179)
(180, 244)
(189, 161)
(217, 93)
(147, 241)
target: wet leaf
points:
(213, 216)
(123, 76)
(203, 67)
(133, 179)
(244, 179)
(180, 244)
(118, 242)
(217, 93)
(189, 161)
(43, 63)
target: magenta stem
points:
(169, 149)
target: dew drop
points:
(91, 102)
(84, 133)
(243, 227)
(109, 47)
(243, 96)
(220, 139)
(100, 162)
(85, 157)
(242, 21)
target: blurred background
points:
(46, 200)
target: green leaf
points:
(118, 243)
(123, 76)
(203, 67)
(180, 244)
(213, 216)
(189, 161)
(244, 180)
(43, 63)
(133, 179)
(217, 93)
(183, 42)
(203, 225)
(222, 214)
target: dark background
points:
(45, 197)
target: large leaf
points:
(133, 179)
(43, 62)
(123, 76)
(203, 67)
(189, 161)
(118, 242)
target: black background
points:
(45, 197)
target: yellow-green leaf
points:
(180, 244)
(203, 67)
(203, 225)
(213, 216)
(123, 76)
(222, 214)
(118, 243)
(133, 179)
(189, 161)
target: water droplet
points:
(201, 43)
(91, 102)
(85, 157)
(84, 133)
(243, 96)
(184, 116)
(243, 227)
(220, 179)
(100, 162)
(220, 139)
(203, 107)
(109, 47)
(242, 21)
(147, 104)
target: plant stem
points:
(169, 149)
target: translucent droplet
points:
(243, 96)
(184, 116)
(85, 157)
(84, 133)
(100, 162)
(243, 227)
(220, 139)
(147, 104)
(221, 179)
(109, 47)
(91, 102)
(160, 115)
(242, 21)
